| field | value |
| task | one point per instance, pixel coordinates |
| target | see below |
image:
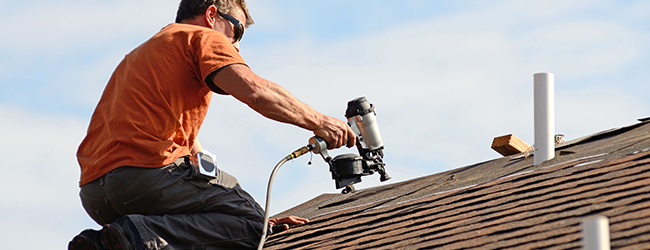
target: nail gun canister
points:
(361, 118)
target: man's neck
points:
(198, 20)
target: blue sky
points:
(446, 78)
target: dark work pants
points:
(174, 207)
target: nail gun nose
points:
(348, 189)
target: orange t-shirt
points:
(155, 101)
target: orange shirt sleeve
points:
(213, 54)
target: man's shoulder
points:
(179, 27)
(189, 35)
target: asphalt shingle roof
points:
(502, 203)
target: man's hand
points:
(288, 221)
(336, 133)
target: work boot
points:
(87, 240)
(110, 237)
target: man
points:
(139, 177)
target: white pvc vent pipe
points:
(544, 117)
(595, 233)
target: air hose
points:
(293, 155)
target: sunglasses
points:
(239, 27)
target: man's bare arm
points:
(274, 102)
(196, 147)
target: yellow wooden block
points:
(509, 145)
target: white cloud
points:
(63, 26)
(636, 10)
(582, 48)
(39, 186)
(594, 109)
(42, 150)
(270, 12)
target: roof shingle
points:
(502, 203)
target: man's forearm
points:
(278, 104)
(267, 98)
(274, 102)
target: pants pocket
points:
(179, 189)
(145, 199)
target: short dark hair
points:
(192, 8)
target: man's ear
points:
(211, 15)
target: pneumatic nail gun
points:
(347, 169)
